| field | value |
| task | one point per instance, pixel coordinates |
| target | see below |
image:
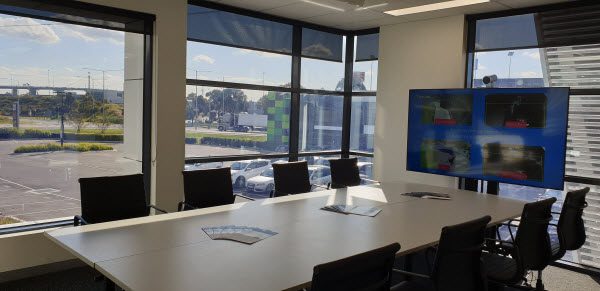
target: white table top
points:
(171, 252)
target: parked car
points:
(265, 183)
(243, 170)
(262, 183)
(365, 169)
(321, 161)
(319, 175)
(202, 166)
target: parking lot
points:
(40, 186)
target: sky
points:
(41, 52)
(45, 53)
(524, 64)
(219, 63)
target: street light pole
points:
(510, 55)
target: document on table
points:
(243, 234)
(351, 209)
(428, 195)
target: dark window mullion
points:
(347, 114)
(295, 98)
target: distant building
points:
(513, 83)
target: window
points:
(72, 105)
(320, 122)
(227, 64)
(362, 126)
(226, 121)
(323, 60)
(366, 63)
(255, 97)
(322, 75)
(543, 55)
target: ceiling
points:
(353, 19)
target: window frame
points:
(295, 90)
(493, 187)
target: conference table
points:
(172, 252)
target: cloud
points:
(258, 53)
(204, 58)
(529, 74)
(29, 29)
(92, 34)
(534, 55)
(317, 50)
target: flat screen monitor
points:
(515, 135)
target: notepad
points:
(352, 209)
(243, 234)
(428, 195)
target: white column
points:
(414, 55)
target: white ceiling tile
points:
(351, 19)
(257, 5)
(300, 10)
(345, 18)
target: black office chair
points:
(457, 264)
(570, 230)
(291, 178)
(207, 188)
(106, 199)
(367, 271)
(507, 262)
(344, 173)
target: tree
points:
(195, 105)
(81, 112)
(229, 100)
(107, 115)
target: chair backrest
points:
(532, 237)
(208, 188)
(367, 271)
(457, 264)
(291, 178)
(344, 173)
(106, 199)
(571, 230)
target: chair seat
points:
(415, 284)
(500, 268)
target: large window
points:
(261, 91)
(226, 122)
(530, 50)
(320, 122)
(228, 64)
(72, 103)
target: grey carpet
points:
(77, 279)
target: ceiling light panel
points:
(435, 7)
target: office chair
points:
(291, 178)
(570, 230)
(106, 199)
(507, 262)
(207, 188)
(344, 173)
(371, 271)
(457, 264)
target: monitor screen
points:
(515, 135)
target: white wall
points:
(32, 249)
(414, 55)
